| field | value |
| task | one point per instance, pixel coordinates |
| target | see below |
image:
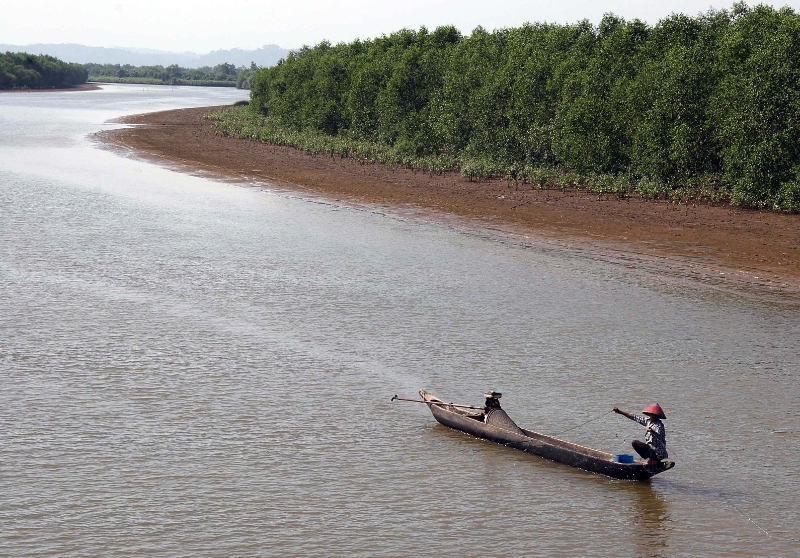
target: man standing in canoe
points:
(654, 447)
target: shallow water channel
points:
(190, 367)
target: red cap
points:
(655, 410)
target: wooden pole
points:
(437, 403)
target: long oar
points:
(437, 403)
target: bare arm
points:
(619, 412)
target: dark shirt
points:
(656, 436)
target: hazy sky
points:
(201, 26)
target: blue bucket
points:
(623, 458)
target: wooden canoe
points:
(544, 446)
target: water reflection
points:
(651, 521)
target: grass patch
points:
(241, 122)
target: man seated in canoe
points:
(654, 447)
(495, 416)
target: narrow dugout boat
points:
(508, 434)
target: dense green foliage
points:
(222, 75)
(246, 75)
(30, 71)
(240, 121)
(712, 100)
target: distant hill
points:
(268, 55)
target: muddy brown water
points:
(192, 367)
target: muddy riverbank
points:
(756, 247)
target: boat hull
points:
(540, 445)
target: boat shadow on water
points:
(701, 491)
(642, 506)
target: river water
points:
(190, 367)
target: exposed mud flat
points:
(721, 246)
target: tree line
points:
(713, 98)
(246, 75)
(29, 71)
(222, 75)
(19, 70)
